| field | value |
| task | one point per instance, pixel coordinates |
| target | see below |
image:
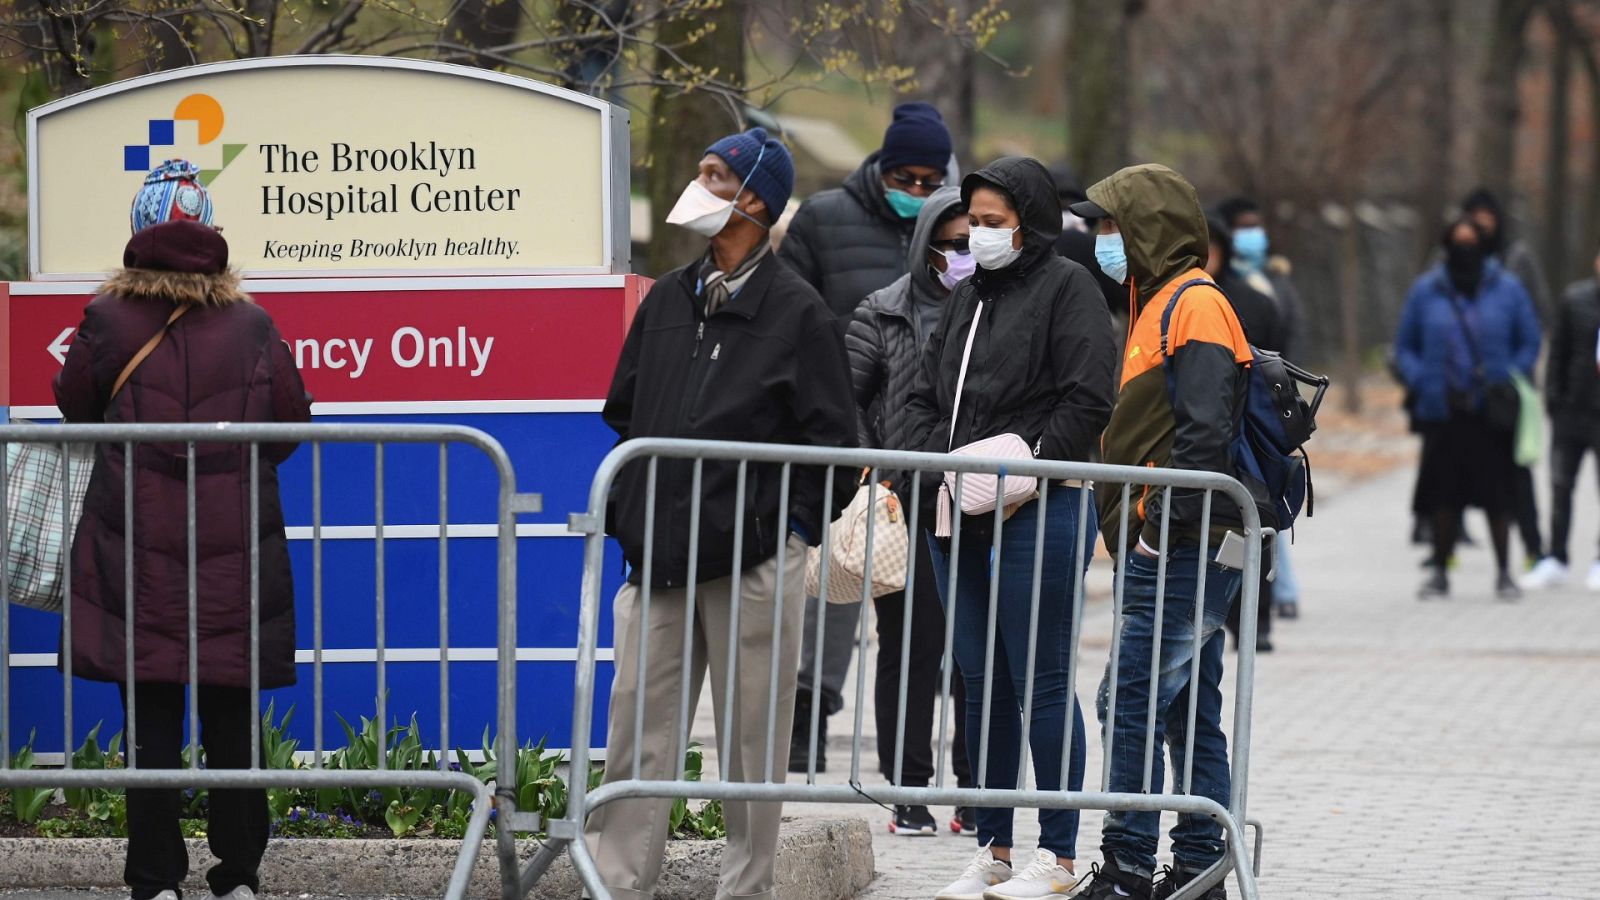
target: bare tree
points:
(1497, 137)
(684, 121)
(476, 24)
(946, 71)
(1099, 118)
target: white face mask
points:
(701, 211)
(991, 247)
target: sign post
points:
(436, 243)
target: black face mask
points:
(1464, 264)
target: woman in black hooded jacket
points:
(1042, 366)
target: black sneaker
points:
(1168, 880)
(1110, 882)
(913, 821)
(965, 821)
(1437, 587)
(1287, 610)
(800, 737)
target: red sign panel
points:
(352, 346)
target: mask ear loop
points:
(742, 186)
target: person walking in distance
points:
(1466, 327)
(733, 346)
(848, 242)
(171, 337)
(1181, 405)
(885, 341)
(1572, 397)
(1025, 348)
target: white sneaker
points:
(239, 893)
(166, 895)
(1042, 879)
(1549, 572)
(1592, 582)
(982, 873)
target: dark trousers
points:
(1571, 439)
(237, 825)
(1527, 509)
(923, 679)
(1263, 598)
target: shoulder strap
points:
(961, 379)
(145, 351)
(1166, 315)
(1472, 340)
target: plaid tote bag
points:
(37, 538)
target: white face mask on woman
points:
(991, 247)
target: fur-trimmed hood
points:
(193, 288)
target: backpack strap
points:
(1166, 314)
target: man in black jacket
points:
(1572, 395)
(848, 242)
(733, 347)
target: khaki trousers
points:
(628, 837)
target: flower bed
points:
(398, 812)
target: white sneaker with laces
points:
(1547, 573)
(1592, 582)
(239, 893)
(982, 873)
(1041, 879)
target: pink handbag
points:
(981, 493)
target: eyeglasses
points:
(906, 180)
(954, 245)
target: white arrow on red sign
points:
(58, 347)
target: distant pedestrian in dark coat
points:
(1467, 326)
(220, 359)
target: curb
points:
(817, 860)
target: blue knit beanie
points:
(772, 179)
(172, 190)
(916, 137)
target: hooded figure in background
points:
(885, 342)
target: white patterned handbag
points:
(38, 541)
(982, 492)
(847, 549)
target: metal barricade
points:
(178, 446)
(745, 464)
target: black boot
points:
(800, 737)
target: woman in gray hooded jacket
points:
(885, 341)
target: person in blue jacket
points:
(1467, 326)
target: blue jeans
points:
(1197, 840)
(1130, 837)
(1052, 694)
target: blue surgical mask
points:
(1111, 256)
(905, 205)
(1250, 249)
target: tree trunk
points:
(1350, 306)
(946, 71)
(1437, 149)
(1591, 212)
(1556, 238)
(1099, 119)
(1497, 139)
(479, 25)
(683, 123)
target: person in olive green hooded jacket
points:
(1153, 237)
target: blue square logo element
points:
(136, 158)
(161, 133)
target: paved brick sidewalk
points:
(1402, 749)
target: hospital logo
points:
(199, 112)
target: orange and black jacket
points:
(1191, 422)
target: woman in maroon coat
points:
(221, 360)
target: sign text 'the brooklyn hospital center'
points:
(393, 167)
